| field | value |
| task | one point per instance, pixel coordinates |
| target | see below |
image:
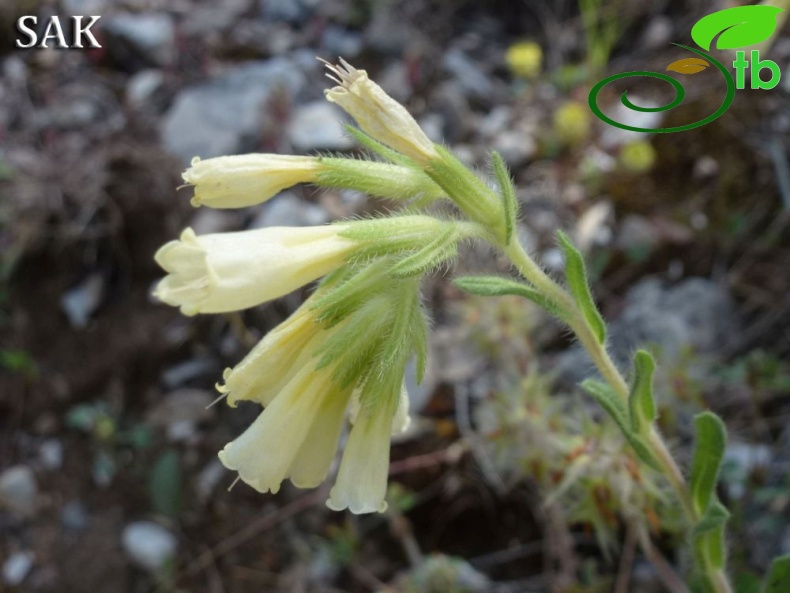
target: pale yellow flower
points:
(224, 272)
(275, 360)
(361, 484)
(295, 437)
(246, 180)
(378, 114)
(524, 59)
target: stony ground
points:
(109, 479)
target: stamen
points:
(234, 483)
(216, 401)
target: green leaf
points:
(442, 248)
(711, 439)
(576, 276)
(739, 26)
(507, 192)
(708, 536)
(611, 402)
(164, 484)
(641, 401)
(778, 579)
(497, 286)
(377, 147)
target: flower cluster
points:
(343, 354)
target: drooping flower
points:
(246, 180)
(377, 113)
(224, 272)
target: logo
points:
(54, 31)
(732, 28)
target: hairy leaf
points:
(576, 276)
(711, 439)
(507, 192)
(641, 401)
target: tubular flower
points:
(377, 113)
(224, 272)
(270, 450)
(249, 179)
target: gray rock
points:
(143, 86)
(81, 302)
(208, 479)
(17, 567)
(18, 490)
(50, 452)
(292, 11)
(318, 125)
(180, 374)
(515, 146)
(696, 314)
(287, 209)
(150, 36)
(337, 41)
(474, 81)
(74, 516)
(149, 545)
(225, 115)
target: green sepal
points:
(507, 192)
(438, 251)
(466, 190)
(640, 401)
(392, 235)
(378, 148)
(614, 406)
(381, 180)
(497, 286)
(347, 294)
(778, 578)
(419, 328)
(708, 536)
(711, 439)
(576, 277)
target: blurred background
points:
(509, 480)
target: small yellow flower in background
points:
(572, 123)
(638, 156)
(524, 59)
(246, 180)
(224, 272)
(377, 113)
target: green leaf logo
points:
(737, 27)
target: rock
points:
(441, 573)
(292, 11)
(740, 460)
(50, 452)
(149, 545)
(74, 516)
(474, 81)
(287, 209)
(515, 146)
(180, 374)
(613, 137)
(143, 87)
(695, 314)
(658, 33)
(18, 490)
(338, 41)
(593, 228)
(181, 411)
(81, 302)
(225, 115)
(208, 479)
(17, 567)
(149, 37)
(318, 125)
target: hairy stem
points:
(597, 351)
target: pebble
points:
(287, 209)
(50, 452)
(149, 545)
(338, 41)
(150, 36)
(80, 302)
(143, 86)
(74, 516)
(515, 146)
(18, 490)
(17, 567)
(475, 83)
(226, 115)
(208, 479)
(318, 125)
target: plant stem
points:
(597, 351)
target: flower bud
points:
(246, 180)
(378, 114)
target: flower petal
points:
(361, 484)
